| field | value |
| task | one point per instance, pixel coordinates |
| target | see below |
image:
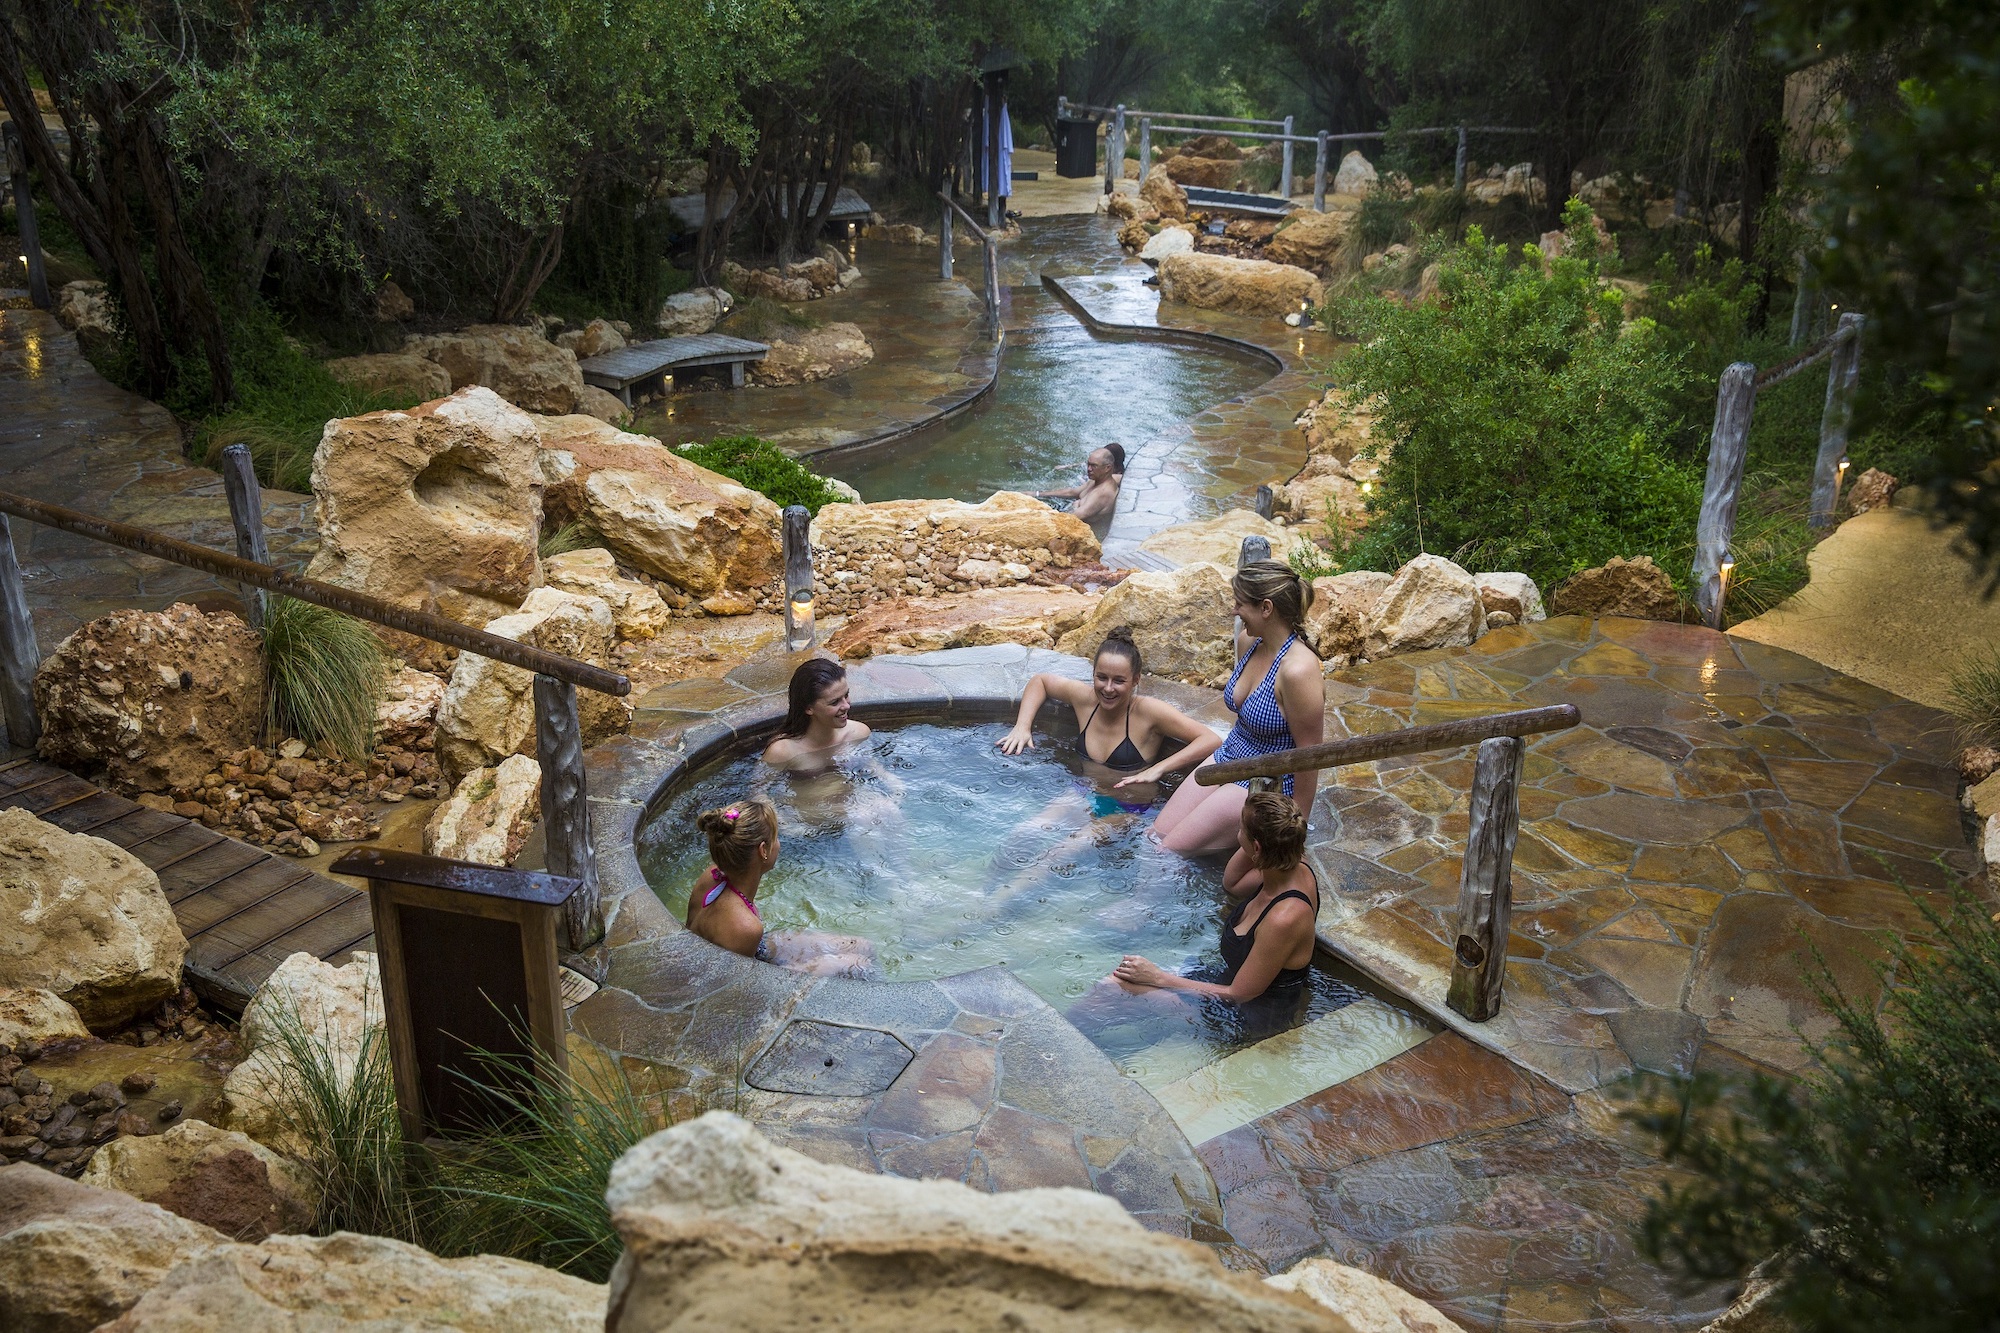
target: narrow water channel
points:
(1062, 391)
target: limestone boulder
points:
(1213, 173)
(806, 355)
(1030, 615)
(1129, 208)
(1873, 489)
(489, 815)
(1246, 286)
(1181, 620)
(338, 1008)
(1217, 540)
(1309, 240)
(698, 310)
(1337, 621)
(1004, 519)
(1323, 487)
(393, 304)
(73, 1257)
(514, 361)
(604, 405)
(1169, 241)
(85, 308)
(152, 699)
(1219, 146)
(1430, 603)
(1366, 1302)
(593, 339)
(40, 1016)
(1511, 594)
(407, 714)
(403, 374)
(1620, 587)
(1356, 175)
(1135, 236)
(722, 1229)
(86, 921)
(1164, 194)
(488, 711)
(1337, 426)
(436, 509)
(696, 530)
(637, 609)
(217, 1177)
(349, 1283)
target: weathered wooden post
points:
(993, 283)
(1803, 298)
(1735, 399)
(1841, 377)
(1285, 172)
(566, 808)
(1485, 882)
(24, 212)
(1114, 150)
(1145, 147)
(471, 995)
(996, 188)
(800, 634)
(246, 511)
(20, 656)
(944, 240)
(1319, 176)
(1458, 168)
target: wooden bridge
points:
(636, 363)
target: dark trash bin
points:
(1076, 148)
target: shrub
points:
(1383, 220)
(569, 537)
(1527, 414)
(324, 675)
(764, 468)
(1874, 1178)
(1975, 697)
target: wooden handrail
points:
(1388, 744)
(345, 600)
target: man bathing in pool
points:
(1103, 473)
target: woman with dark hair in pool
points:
(816, 726)
(722, 907)
(822, 750)
(1267, 940)
(1278, 693)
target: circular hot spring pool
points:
(948, 855)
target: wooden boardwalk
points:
(635, 363)
(243, 910)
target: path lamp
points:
(1839, 480)
(799, 632)
(1723, 572)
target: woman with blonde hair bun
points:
(722, 908)
(1283, 709)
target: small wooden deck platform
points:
(243, 910)
(636, 363)
(1239, 201)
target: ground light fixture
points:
(1722, 587)
(1839, 480)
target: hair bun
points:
(1119, 634)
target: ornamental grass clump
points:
(324, 676)
(1975, 697)
(1524, 418)
(764, 468)
(1873, 1180)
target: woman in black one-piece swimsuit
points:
(1261, 981)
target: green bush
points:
(324, 675)
(1528, 417)
(1874, 1178)
(764, 468)
(1975, 697)
(1383, 220)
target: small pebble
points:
(171, 1111)
(137, 1082)
(28, 1049)
(133, 1124)
(107, 1091)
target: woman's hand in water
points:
(1141, 778)
(1017, 740)
(1136, 971)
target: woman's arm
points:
(1042, 686)
(1201, 742)
(1302, 699)
(1276, 937)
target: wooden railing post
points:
(944, 241)
(800, 632)
(1319, 176)
(566, 808)
(1285, 172)
(1735, 399)
(24, 211)
(1114, 163)
(993, 283)
(246, 511)
(1485, 882)
(1145, 147)
(1834, 420)
(1458, 167)
(20, 656)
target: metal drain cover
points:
(823, 1060)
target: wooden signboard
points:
(469, 983)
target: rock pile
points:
(514, 361)
(63, 1130)
(807, 355)
(867, 553)
(1029, 614)
(1620, 587)
(292, 799)
(1246, 286)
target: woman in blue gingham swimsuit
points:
(1284, 709)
